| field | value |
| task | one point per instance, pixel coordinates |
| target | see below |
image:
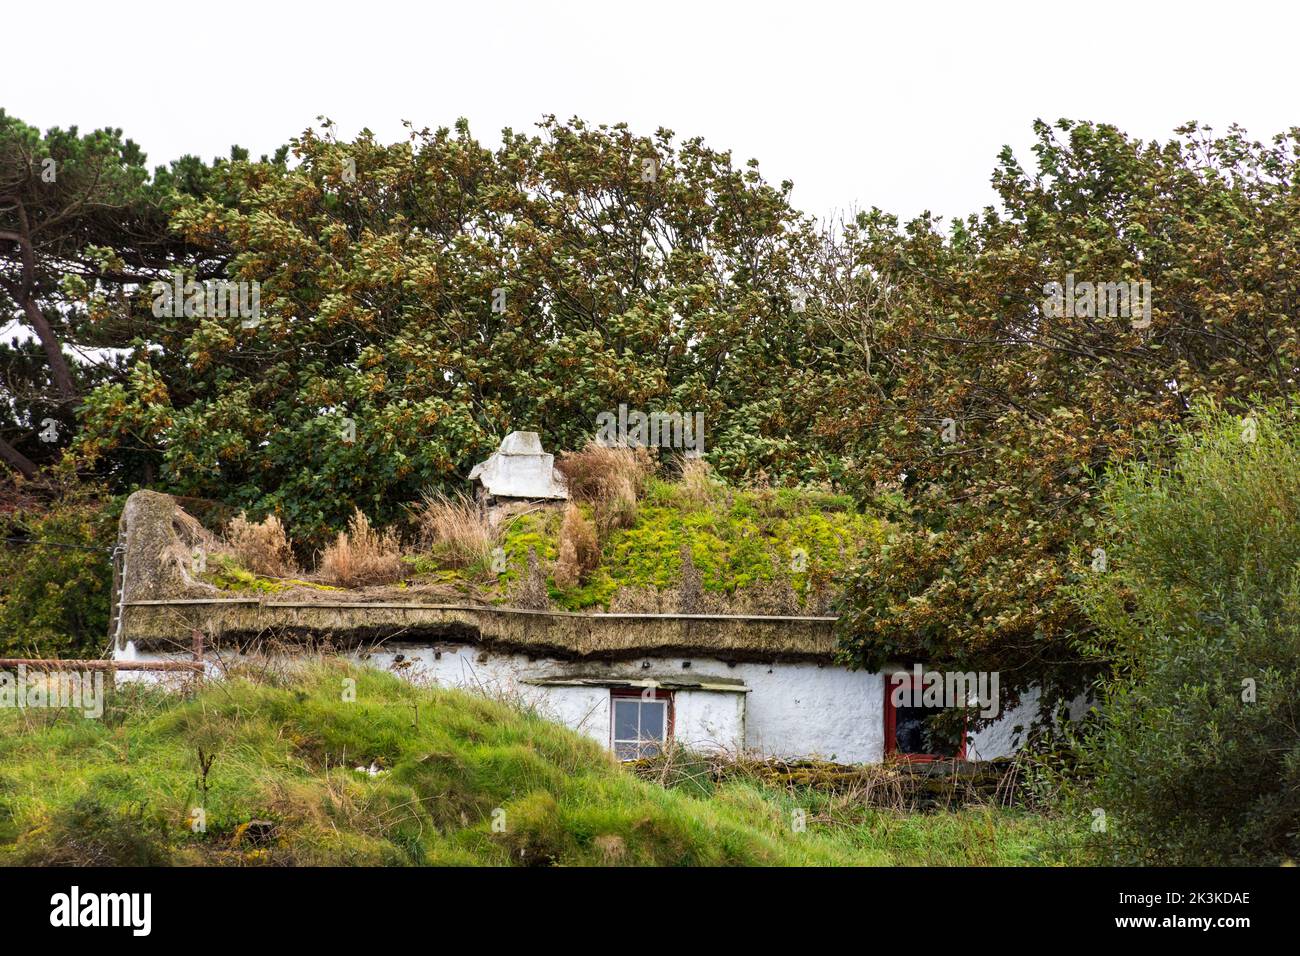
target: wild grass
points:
(455, 530)
(579, 551)
(611, 480)
(698, 486)
(601, 473)
(362, 555)
(449, 778)
(262, 547)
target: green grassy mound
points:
(457, 779)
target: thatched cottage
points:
(758, 683)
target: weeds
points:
(362, 556)
(455, 530)
(262, 547)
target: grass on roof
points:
(738, 540)
(747, 544)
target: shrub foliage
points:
(1197, 608)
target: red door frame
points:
(891, 725)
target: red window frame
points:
(640, 693)
(891, 726)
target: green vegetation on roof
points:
(738, 539)
(225, 573)
(755, 550)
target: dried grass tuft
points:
(262, 547)
(600, 472)
(190, 531)
(362, 556)
(698, 486)
(191, 545)
(532, 593)
(455, 530)
(691, 597)
(579, 550)
(611, 479)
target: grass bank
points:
(448, 778)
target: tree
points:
(83, 225)
(996, 409)
(420, 299)
(77, 213)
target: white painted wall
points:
(709, 720)
(814, 710)
(791, 710)
(1006, 734)
(585, 709)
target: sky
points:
(904, 106)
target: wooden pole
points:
(98, 664)
(196, 636)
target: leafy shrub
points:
(55, 594)
(1197, 603)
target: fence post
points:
(196, 636)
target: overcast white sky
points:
(902, 106)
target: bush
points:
(1196, 599)
(362, 556)
(54, 599)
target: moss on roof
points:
(741, 542)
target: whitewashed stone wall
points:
(790, 710)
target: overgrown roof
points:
(166, 595)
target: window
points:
(641, 722)
(911, 732)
